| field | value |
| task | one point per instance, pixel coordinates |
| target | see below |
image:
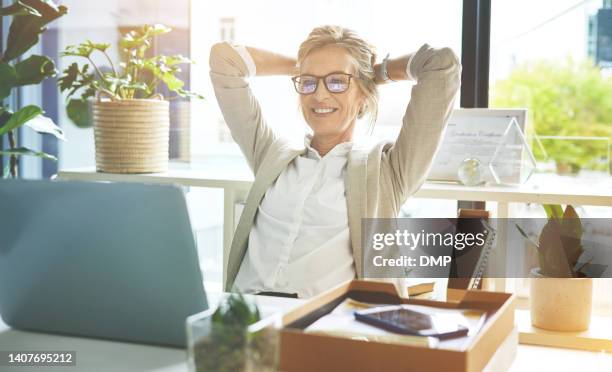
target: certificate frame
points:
(472, 133)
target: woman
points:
(300, 231)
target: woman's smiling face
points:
(330, 114)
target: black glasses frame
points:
(296, 81)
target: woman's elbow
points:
(450, 64)
(218, 53)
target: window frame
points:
(475, 53)
(475, 59)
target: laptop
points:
(104, 260)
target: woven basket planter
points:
(131, 135)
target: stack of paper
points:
(341, 322)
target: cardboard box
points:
(302, 351)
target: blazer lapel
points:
(274, 165)
(356, 191)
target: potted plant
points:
(130, 116)
(29, 20)
(233, 337)
(561, 293)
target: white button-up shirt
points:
(300, 240)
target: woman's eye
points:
(336, 84)
(307, 83)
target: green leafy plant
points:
(560, 243)
(565, 98)
(29, 20)
(136, 76)
(224, 348)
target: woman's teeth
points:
(324, 110)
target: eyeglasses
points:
(336, 82)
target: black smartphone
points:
(399, 319)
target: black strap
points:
(277, 294)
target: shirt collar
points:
(341, 149)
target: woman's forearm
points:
(270, 63)
(396, 69)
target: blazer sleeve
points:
(438, 74)
(240, 108)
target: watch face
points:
(385, 73)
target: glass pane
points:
(554, 60)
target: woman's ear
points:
(362, 110)
(363, 106)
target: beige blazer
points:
(379, 178)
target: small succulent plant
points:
(560, 243)
(224, 348)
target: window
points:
(554, 59)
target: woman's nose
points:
(321, 92)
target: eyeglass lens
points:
(335, 83)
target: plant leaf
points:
(102, 47)
(131, 40)
(84, 49)
(23, 151)
(176, 59)
(156, 29)
(7, 171)
(553, 211)
(5, 115)
(70, 75)
(188, 94)
(18, 9)
(34, 69)
(168, 78)
(525, 235)
(552, 255)
(25, 30)
(570, 212)
(45, 125)
(80, 50)
(571, 234)
(8, 79)
(79, 112)
(20, 117)
(172, 81)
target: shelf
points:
(597, 338)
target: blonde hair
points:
(363, 55)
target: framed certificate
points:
(476, 133)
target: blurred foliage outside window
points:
(565, 98)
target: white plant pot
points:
(560, 304)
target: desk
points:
(101, 355)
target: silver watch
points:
(383, 69)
